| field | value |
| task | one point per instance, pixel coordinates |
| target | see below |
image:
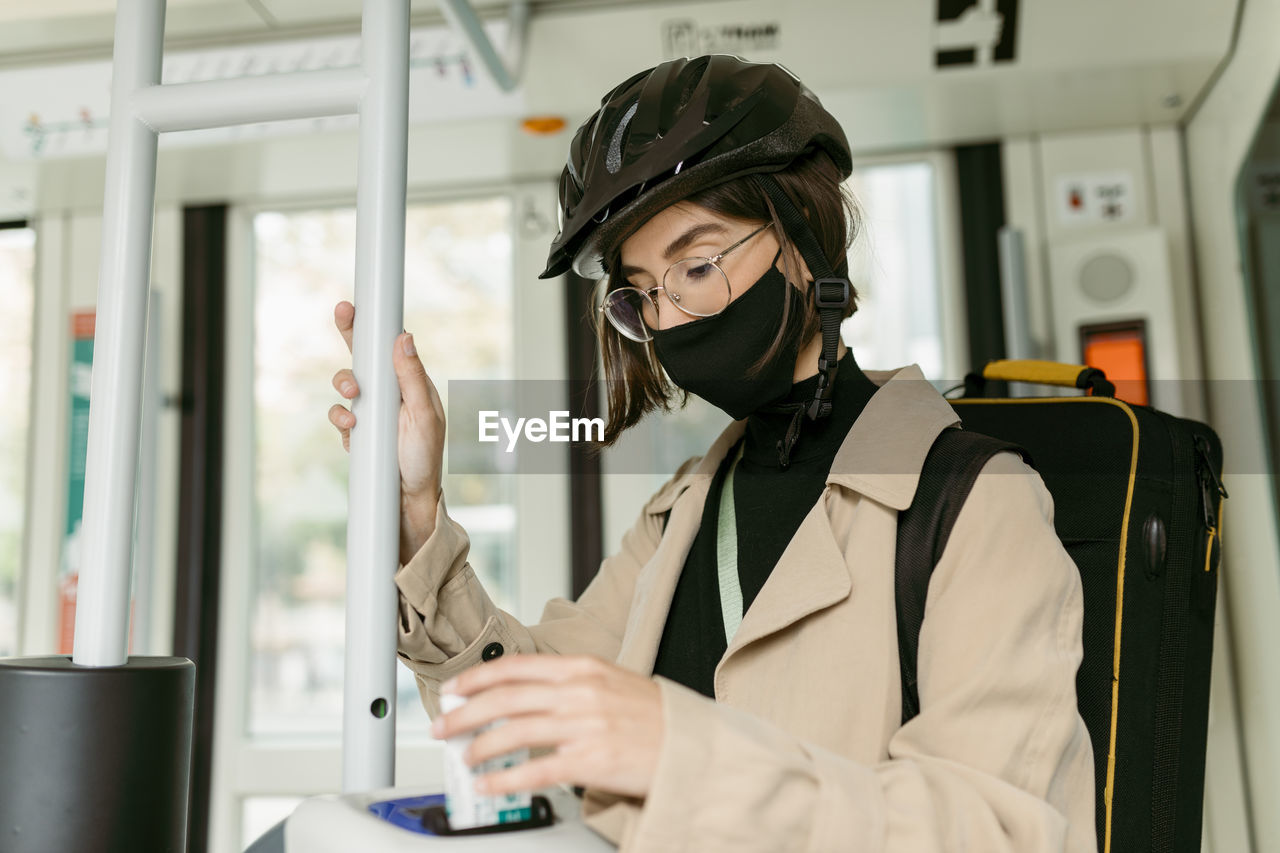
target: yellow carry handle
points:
(1041, 373)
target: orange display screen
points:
(1120, 351)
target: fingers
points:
(344, 317)
(603, 722)
(508, 702)
(532, 731)
(344, 382)
(340, 417)
(529, 775)
(509, 686)
(416, 388)
(344, 421)
(422, 415)
(513, 668)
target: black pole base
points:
(95, 758)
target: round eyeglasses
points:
(697, 286)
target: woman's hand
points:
(421, 433)
(605, 722)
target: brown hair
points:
(634, 379)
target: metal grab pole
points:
(274, 97)
(102, 602)
(368, 718)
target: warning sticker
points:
(1093, 199)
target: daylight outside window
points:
(894, 264)
(458, 303)
(17, 264)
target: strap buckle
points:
(831, 293)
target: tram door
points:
(281, 653)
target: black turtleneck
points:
(769, 503)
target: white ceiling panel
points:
(53, 112)
(1088, 64)
(301, 13)
(39, 33)
(31, 10)
(22, 10)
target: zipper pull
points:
(1210, 483)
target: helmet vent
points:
(613, 159)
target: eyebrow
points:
(682, 242)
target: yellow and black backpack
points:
(1138, 504)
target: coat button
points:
(491, 651)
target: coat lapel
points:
(656, 583)
(810, 575)
(880, 458)
(883, 453)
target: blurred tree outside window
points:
(894, 265)
(458, 304)
(17, 268)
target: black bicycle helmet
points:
(671, 131)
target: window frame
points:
(246, 767)
(953, 319)
(21, 580)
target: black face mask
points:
(709, 356)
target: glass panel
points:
(458, 301)
(894, 265)
(17, 266)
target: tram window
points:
(17, 265)
(458, 301)
(894, 264)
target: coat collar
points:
(884, 452)
(880, 458)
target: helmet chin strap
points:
(831, 293)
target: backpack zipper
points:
(1210, 483)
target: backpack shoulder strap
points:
(948, 475)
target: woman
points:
(729, 680)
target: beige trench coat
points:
(803, 748)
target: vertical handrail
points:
(368, 719)
(102, 601)
(1012, 258)
(102, 615)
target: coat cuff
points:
(437, 562)
(430, 675)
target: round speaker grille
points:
(1106, 278)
